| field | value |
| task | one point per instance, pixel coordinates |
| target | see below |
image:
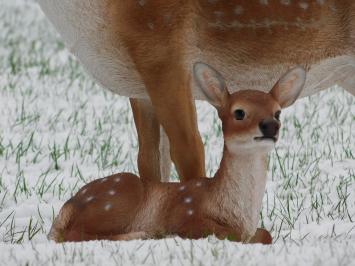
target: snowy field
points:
(58, 130)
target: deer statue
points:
(124, 207)
(145, 50)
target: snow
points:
(59, 130)
(181, 252)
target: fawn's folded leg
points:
(261, 236)
(130, 236)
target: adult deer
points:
(123, 207)
(144, 49)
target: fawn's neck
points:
(240, 182)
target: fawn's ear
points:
(212, 84)
(289, 87)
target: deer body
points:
(123, 206)
(259, 44)
(145, 50)
(116, 206)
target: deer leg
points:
(168, 85)
(206, 227)
(171, 97)
(261, 236)
(165, 160)
(130, 236)
(160, 58)
(153, 155)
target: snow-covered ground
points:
(59, 130)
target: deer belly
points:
(87, 32)
(249, 56)
(321, 75)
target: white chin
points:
(267, 143)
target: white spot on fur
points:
(198, 184)
(238, 10)
(181, 188)
(285, 2)
(90, 198)
(84, 191)
(151, 25)
(190, 212)
(117, 179)
(104, 180)
(333, 8)
(266, 23)
(108, 207)
(167, 18)
(304, 5)
(218, 13)
(112, 192)
(188, 200)
(141, 2)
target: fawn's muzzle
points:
(270, 128)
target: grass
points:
(59, 130)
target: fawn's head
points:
(250, 118)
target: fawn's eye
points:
(239, 114)
(277, 115)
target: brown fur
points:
(248, 100)
(148, 129)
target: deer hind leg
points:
(165, 160)
(153, 156)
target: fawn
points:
(123, 207)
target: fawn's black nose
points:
(269, 127)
